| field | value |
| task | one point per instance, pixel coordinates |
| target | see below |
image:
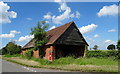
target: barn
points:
(65, 40)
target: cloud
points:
(57, 0)
(29, 19)
(65, 15)
(112, 30)
(52, 27)
(88, 28)
(25, 38)
(47, 16)
(47, 21)
(14, 32)
(5, 14)
(72, 15)
(109, 41)
(108, 10)
(10, 35)
(96, 35)
(77, 14)
(7, 35)
(89, 39)
(65, 11)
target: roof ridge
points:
(61, 26)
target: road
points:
(12, 67)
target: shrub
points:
(29, 54)
(102, 53)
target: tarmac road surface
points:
(12, 67)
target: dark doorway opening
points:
(69, 50)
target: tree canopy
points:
(111, 47)
(11, 48)
(118, 45)
(95, 47)
(40, 38)
(39, 33)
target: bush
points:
(29, 54)
(11, 49)
(102, 53)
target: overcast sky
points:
(97, 21)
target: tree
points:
(11, 48)
(4, 50)
(40, 38)
(118, 45)
(111, 47)
(95, 47)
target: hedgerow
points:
(103, 53)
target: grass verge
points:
(69, 64)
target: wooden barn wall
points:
(71, 37)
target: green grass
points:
(71, 64)
(78, 61)
(15, 55)
(95, 61)
(41, 61)
(63, 61)
(71, 60)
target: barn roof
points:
(52, 35)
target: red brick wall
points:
(36, 53)
(48, 49)
(23, 52)
(47, 52)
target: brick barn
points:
(65, 40)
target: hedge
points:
(103, 53)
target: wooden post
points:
(86, 47)
(54, 52)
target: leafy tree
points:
(11, 48)
(95, 47)
(4, 50)
(40, 38)
(0, 52)
(118, 45)
(111, 47)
